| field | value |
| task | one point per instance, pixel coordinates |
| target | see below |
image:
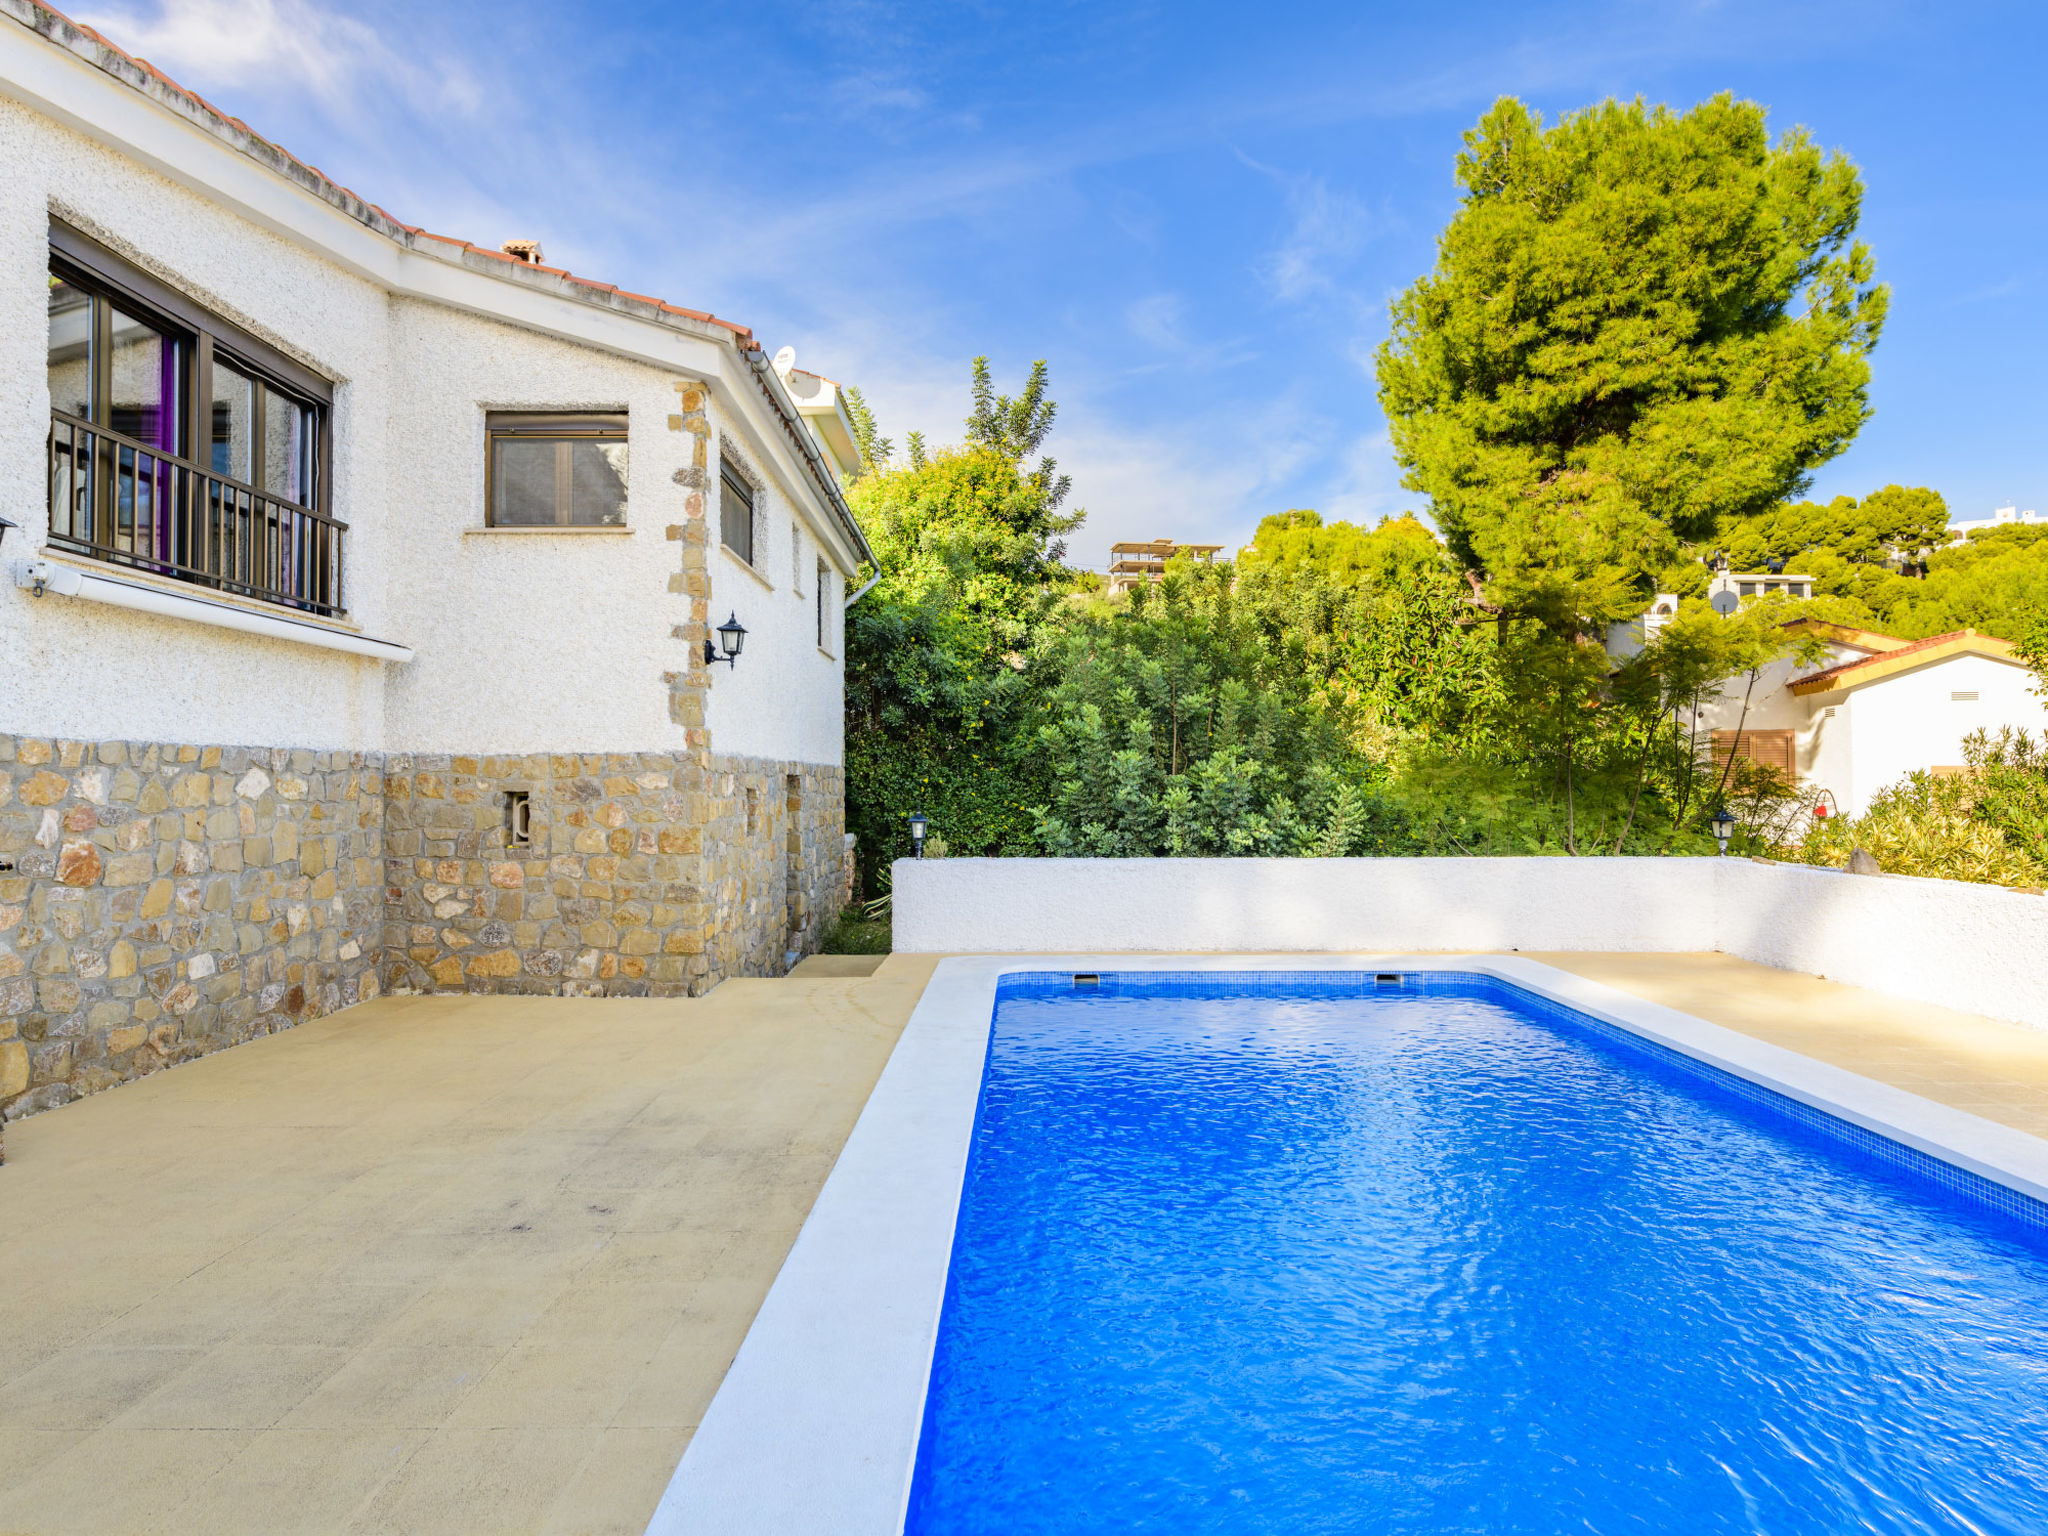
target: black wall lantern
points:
(6, 528)
(1724, 828)
(917, 826)
(731, 636)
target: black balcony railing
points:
(120, 500)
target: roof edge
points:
(139, 75)
(1849, 634)
(144, 78)
(1909, 658)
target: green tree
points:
(969, 544)
(1376, 619)
(1300, 541)
(1996, 582)
(1887, 529)
(1641, 324)
(1177, 729)
(875, 450)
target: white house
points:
(1875, 709)
(1960, 531)
(366, 621)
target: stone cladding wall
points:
(648, 874)
(775, 871)
(606, 901)
(158, 902)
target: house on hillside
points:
(1959, 530)
(1875, 709)
(1135, 564)
(382, 611)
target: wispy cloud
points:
(1156, 319)
(283, 45)
(1329, 228)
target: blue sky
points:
(1197, 212)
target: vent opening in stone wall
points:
(753, 811)
(518, 818)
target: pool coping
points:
(815, 1427)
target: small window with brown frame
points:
(735, 510)
(555, 469)
(1769, 749)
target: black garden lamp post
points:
(1724, 828)
(731, 636)
(917, 825)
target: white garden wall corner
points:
(1978, 948)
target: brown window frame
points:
(79, 259)
(157, 507)
(731, 480)
(1777, 744)
(564, 428)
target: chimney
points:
(527, 251)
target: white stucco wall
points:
(1981, 949)
(782, 698)
(76, 669)
(526, 642)
(1770, 707)
(1911, 720)
(944, 905)
(523, 641)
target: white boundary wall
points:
(1978, 948)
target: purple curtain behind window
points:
(165, 436)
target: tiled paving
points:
(476, 1265)
(1990, 1068)
(464, 1265)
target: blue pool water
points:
(1316, 1258)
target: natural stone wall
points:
(775, 863)
(161, 901)
(647, 874)
(605, 902)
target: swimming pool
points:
(1313, 1254)
(840, 1413)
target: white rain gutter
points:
(865, 588)
(800, 437)
(47, 577)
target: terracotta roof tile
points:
(1890, 659)
(62, 32)
(742, 334)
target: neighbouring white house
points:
(1725, 592)
(383, 611)
(2000, 517)
(1874, 709)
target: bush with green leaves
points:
(1180, 728)
(939, 716)
(1989, 824)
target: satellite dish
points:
(1724, 603)
(785, 360)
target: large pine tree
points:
(1641, 324)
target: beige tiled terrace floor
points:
(476, 1265)
(1996, 1070)
(431, 1265)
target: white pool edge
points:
(814, 1431)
